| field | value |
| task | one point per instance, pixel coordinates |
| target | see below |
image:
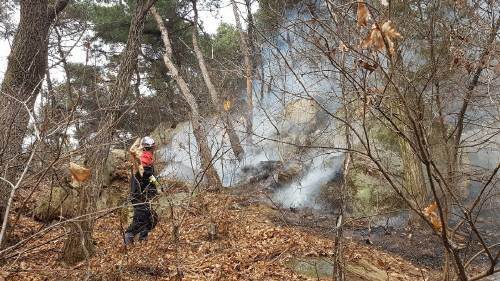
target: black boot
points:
(128, 238)
(143, 236)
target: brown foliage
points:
(431, 213)
(380, 36)
(363, 14)
(79, 173)
(368, 66)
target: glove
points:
(154, 181)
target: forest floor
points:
(388, 232)
(253, 242)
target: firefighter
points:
(142, 190)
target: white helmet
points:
(148, 142)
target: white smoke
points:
(305, 191)
(280, 117)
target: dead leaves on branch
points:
(430, 213)
(374, 39)
(389, 29)
(79, 173)
(368, 66)
(136, 149)
(363, 14)
(381, 37)
(343, 47)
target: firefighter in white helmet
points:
(143, 188)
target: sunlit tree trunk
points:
(198, 129)
(233, 137)
(78, 245)
(245, 49)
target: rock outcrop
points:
(56, 203)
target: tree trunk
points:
(78, 245)
(339, 262)
(21, 84)
(198, 130)
(253, 51)
(413, 174)
(233, 137)
(248, 72)
(413, 178)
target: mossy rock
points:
(52, 205)
(311, 267)
(113, 196)
(321, 269)
(117, 167)
(370, 192)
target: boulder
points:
(113, 195)
(115, 187)
(289, 172)
(329, 195)
(290, 149)
(61, 201)
(260, 172)
(117, 167)
(370, 191)
(304, 125)
(300, 116)
(58, 202)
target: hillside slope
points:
(247, 246)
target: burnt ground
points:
(417, 244)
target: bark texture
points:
(198, 129)
(413, 177)
(233, 137)
(79, 246)
(26, 67)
